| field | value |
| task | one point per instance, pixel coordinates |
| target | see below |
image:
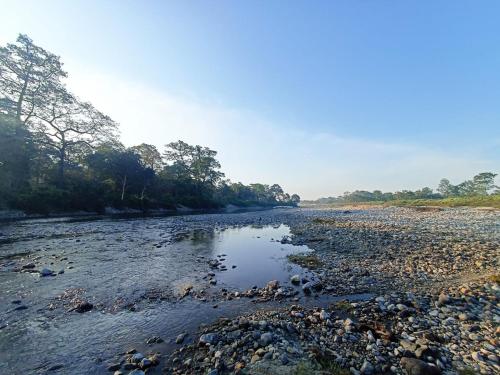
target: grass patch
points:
(310, 261)
(495, 278)
(342, 305)
(322, 366)
(466, 371)
(477, 201)
(480, 201)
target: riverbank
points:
(485, 202)
(10, 215)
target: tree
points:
(194, 162)
(446, 189)
(122, 168)
(28, 74)
(466, 188)
(150, 156)
(295, 199)
(483, 182)
(16, 153)
(64, 124)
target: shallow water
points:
(132, 270)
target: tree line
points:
(482, 184)
(60, 153)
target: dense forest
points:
(482, 184)
(59, 153)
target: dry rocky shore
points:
(434, 307)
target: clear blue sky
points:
(337, 95)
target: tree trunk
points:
(62, 159)
(124, 184)
(20, 100)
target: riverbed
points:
(78, 293)
(134, 272)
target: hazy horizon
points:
(320, 99)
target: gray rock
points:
(367, 368)
(137, 357)
(209, 338)
(266, 338)
(180, 338)
(46, 272)
(415, 366)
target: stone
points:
(266, 338)
(415, 366)
(443, 299)
(180, 338)
(284, 359)
(145, 363)
(273, 285)
(295, 279)
(209, 338)
(323, 315)
(136, 358)
(367, 368)
(45, 272)
(83, 307)
(114, 367)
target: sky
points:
(320, 97)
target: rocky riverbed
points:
(285, 291)
(435, 307)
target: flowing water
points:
(133, 272)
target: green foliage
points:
(58, 153)
(483, 184)
(472, 201)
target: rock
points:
(209, 338)
(273, 285)
(415, 366)
(254, 358)
(114, 367)
(136, 358)
(476, 356)
(45, 272)
(154, 340)
(136, 372)
(84, 307)
(310, 286)
(295, 279)
(284, 359)
(443, 299)
(323, 315)
(180, 338)
(266, 338)
(28, 266)
(145, 363)
(367, 368)
(408, 345)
